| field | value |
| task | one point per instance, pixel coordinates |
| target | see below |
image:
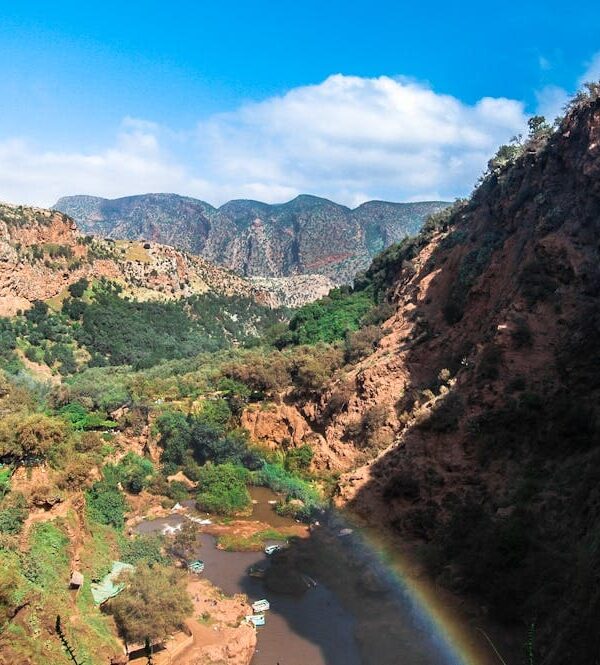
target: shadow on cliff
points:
(494, 475)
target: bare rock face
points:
(306, 236)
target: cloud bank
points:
(347, 138)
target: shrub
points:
(153, 604)
(222, 489)
(31, 436)
(78, 288)
(132, 471)
(313, 367)
(366, 432)
(215, 412)
(89, 442)
(77, 473)
(106, 504)
(146, 548)
(13, 512)
(490, 359)
(330, 318)
(521, 335)
(265, 374)
(297, 460)
(445, 414)
(282, 481)
(361, 343)
(82, 419)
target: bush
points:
(263, 374)
(366, 432)
(330, 318)
(82, 419)
(361, 343)
(313, 367)
(445, 414)
(106, 504)
(13, 512)
(78, 288)
(153, 604)
(77, 473)
(89, 442)
(283, 482)
(521, 335)
(30, 437)
(147, 549)
(133, 472)
(490, 359)
(222, 489)
(297, 460)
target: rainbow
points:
(457, 642)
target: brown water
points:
(339, 622)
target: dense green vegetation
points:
(99, 326)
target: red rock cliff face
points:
(484, 394)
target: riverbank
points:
(215, 634)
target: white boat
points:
(256, 619)
(271, 549)
(261, 605)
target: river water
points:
(353, 616)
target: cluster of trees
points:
(190, 441)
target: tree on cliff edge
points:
(153, 604)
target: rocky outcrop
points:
(306, 236)
(42, 253)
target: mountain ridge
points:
(254, 238)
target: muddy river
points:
(354, 615)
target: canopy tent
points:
(108, 586)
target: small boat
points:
(256, 619)
(261, 605)
(196, 566)
(271, 549)
(345, 532)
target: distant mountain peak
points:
(288, 240)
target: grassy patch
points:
(254, 543)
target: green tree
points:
(77, 289)
(153, 604)
(222, 489)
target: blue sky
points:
(350, 100)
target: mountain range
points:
(308, 235)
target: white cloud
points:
(592, 72)
(551, 101)
(382, 137)
(347, 138)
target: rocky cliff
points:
(308, 235)
(478, 414)
(42, 253)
